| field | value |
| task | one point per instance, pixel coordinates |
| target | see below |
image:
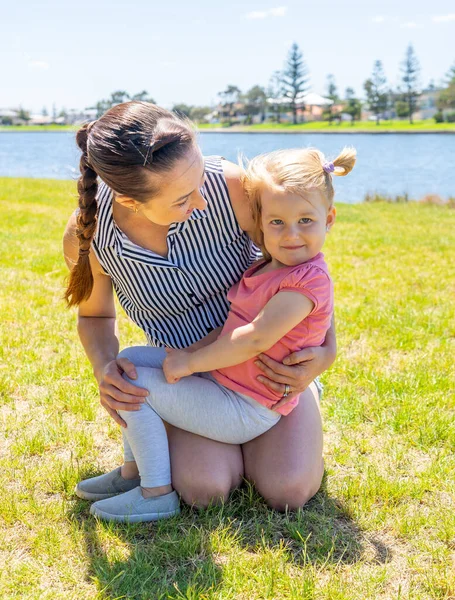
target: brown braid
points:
(81, 279)
(131, 148)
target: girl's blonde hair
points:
(295, 171)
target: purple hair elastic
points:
(328, 167)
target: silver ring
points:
(287, 390)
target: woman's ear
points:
(126, 202)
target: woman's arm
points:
(281, 314)
(97, 330)
(299, 368)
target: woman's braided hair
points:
(122, 148)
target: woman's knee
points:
(292, 493)
(203, 491)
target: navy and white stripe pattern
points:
(179, 299)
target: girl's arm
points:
(281, 314)
(205, 341)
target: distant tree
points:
(410, 70)
(329, 112)
(143, 97)
(255, 102)
(182, 109)
(119, 97)
(352, 105)
(229, 98)
(44, 112)
(376, 91)
(450, 75)
(101, 107)
(23, 115)
(54, 112)
(275, 92)
(402, 109)
(63, 114)
(199, 113)
(446, 99)
(332, 92)
(295, 79)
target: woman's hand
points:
(115, 392)
(176, 365)
(298, 370)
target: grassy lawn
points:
(428, 125)
(382, 526)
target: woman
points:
(169, 232)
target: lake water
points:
(416, 164)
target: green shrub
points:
(439, 117)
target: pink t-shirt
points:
(248, 298)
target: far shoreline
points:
(305, 128)
(327, 131)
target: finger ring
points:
(287, 390)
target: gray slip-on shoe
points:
(105, 486)
(132, 507)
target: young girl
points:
(282, 304)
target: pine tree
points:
(295, 79)
(352, 105)
(410, 69)
(332, 94)
(230, 97)
(275, 93)
(376, 91)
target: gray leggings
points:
(198, 404)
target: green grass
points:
(382, 526)
(428, 125)
(39, 127)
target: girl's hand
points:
(176, 365)
(115, 392)
(300, 370)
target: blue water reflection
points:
(416, 164)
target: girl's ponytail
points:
(344, 162)
(80, 283)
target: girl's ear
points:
(331, 215)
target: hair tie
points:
(328, 167)
(84, 251)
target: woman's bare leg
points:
(203, 471)
(285, 463)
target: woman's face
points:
(179, 195)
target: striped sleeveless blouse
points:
(179, 299)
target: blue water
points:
(416, 164)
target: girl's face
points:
(294, 228)
(179, 195)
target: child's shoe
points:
(132, 507)
(105, 486)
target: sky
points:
(73, 54)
